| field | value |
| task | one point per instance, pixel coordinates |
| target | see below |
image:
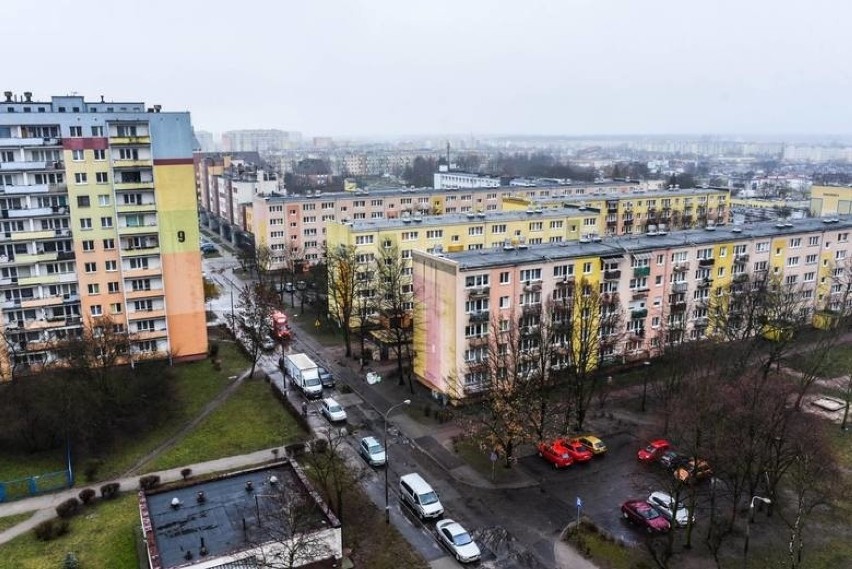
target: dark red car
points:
(555, 453)
(577, 450)
(653, 451)
(645, 515)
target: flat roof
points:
(230, 519)
(465, 218)
(626, 245)
(638, 193)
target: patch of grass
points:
(605, 552)
(11, 521)
(196, 384)
(102, 536)
(327, 334)
(480, 460)
(251, 419)
(14, 466)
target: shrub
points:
(214, 349)
(149, 482)
(50, 529)
(110, 491)
(68, 508)
(319, 446)
(86, 495)
(186, 473)
(71, 561)
(91, 469)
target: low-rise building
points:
(831, 200)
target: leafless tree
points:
(252, 322)
(343, 268)
(329, 469)
(395, 307)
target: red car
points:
(577, 450)
(653, 451)
(645, 515)
(555, 454)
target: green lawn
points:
(251, 419)
(606, 553)
(14, 466)
(196, 384)
(103, 536)
(839, 362)
(9, 521)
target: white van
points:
(419, 496)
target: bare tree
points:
(343, 268)
(252, 323)
(329, 469)
(395, 307)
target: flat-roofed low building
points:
(261, 517)
(831, 200)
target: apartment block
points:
(659, 282)
(640, 211)
(99, 219)
(299, 223)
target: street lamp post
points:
(645, 383)
(748, 524)
(387, 459)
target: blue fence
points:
(35, 485)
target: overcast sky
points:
(391, 67)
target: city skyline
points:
(366, 69)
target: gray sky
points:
(390, 67)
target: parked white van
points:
(419, 496)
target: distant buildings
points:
(446, 180)
(259, 140)
(100, 225)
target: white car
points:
(372, 451)
(267, 344)
(456, 539)
(332, 410)
(665, 504)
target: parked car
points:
(653, 451)
(673, 460)
(645, 515)
(332, 410)
(693, 471)
(267, 344)
(207, 247)
(326, 377)
(593, 444)
(372, 451)
(419, 496)
(457, 541)
(577, 451)
(675, 512)
(555, 453)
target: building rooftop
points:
(634, 194)
(384, 224)
(230, 519)
(624, 245)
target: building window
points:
(100, 154)
(88, 245)
(83, 201)
(80, 178)
(85, 223)
(101, 177)
(94, 288)
(109, 244)
(115, 308)
(505, 277)
(91, 267)
(112, 287)
(97, 310)
(77, 155)
(111, 266)
(97, 131)
(106, 222)
(104, 200)
(76, 131)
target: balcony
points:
(32, 235)
(705, 282)
(681, 267)
(565, 280)
(479, 292)
(143, 293)
(146, 314)
(132, 251)
(740, 277)
(527, 309)
(28, 166)
(41, 257)
(641, 271)
(136, 207)
(30, 189)
(612, 275)
(639, 313)
(119, 163)
(529, 330)
(678, 306)
(478, 341)
(116, 140)
(680, 287)
(28, 142)
(130, 186)
(27, 212)
(532, 286)
(707, 262)
(138, 229)
(479, 316)
(741, 257)
(637, 293)
(701, 321)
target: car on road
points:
(555, 453)
(675, 512)
(645, 516)
(326, 377)
(693, 471)
(577, 451)
(653, 451)
(457, 541)
(673, 460)
(267, 344)
(207, 247)
(332, 410)
(372, 451)
(593, 444)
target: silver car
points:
(332, 410)
(372, 451)
(456, 539)
(675, 512)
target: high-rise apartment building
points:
(99, 224)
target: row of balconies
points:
(29, 142)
